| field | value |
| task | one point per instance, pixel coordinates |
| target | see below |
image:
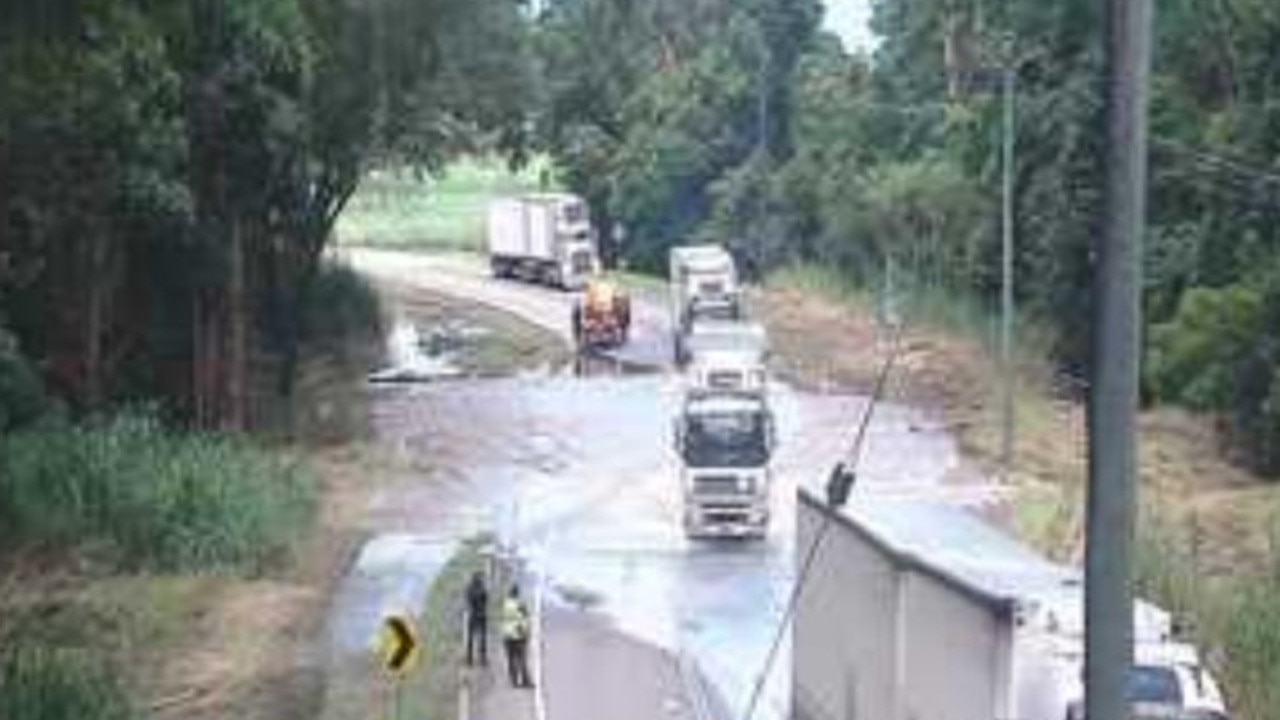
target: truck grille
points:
(581, 262)
(715, 485)
(724, 517)
(726, 380)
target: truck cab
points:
(725, 441)
(576, 253)
(1167, 680)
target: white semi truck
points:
(542, 237)
(725, 435)
(918, 610)
(704, 287)
(725, 440)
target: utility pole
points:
(1113, 388)
(762, 98)
(1010, 79)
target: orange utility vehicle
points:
(601, 315)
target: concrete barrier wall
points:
(880, 636)
(843, 630)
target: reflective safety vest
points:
(515, 619)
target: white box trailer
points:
(542, 237)
(704, 286)
(728, 356)
(921, 611)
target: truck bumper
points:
(724, 520)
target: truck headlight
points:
(746, 484)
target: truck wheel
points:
(578, 339)
(495, 267)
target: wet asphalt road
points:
(579, 473)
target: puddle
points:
(392, 574)
(416, 357)
(425, 354)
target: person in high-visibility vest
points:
(515, 638)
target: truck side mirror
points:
(677, 434)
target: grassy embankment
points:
(148, 571)
(115, 536)
(397, 209)
(1208, 536)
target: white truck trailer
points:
(921, 611)
(704, 286)
(727, 355)
(542, 237)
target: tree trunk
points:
(237, 329)
(97, 285)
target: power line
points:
(838, 486)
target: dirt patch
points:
(834, 342)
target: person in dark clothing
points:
(477, 620)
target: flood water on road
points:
(579, 473)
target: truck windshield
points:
(1155, 685)
(728, 439)
(573, 212)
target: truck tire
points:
(498, 268)
(576, 323)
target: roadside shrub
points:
(1220, 353)
(22, 396)
(340, 305)
(39, 682)
(1194, 357)
(150, 498)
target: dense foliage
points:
(170, 173)
(709, 120)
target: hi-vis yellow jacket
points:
(515, 619)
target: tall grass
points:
(43, 682)
(144, 497)
(401, 209)
(1236, 619)
(922, 304)
(900, 298)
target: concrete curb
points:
(539, 686)
(695, 688)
